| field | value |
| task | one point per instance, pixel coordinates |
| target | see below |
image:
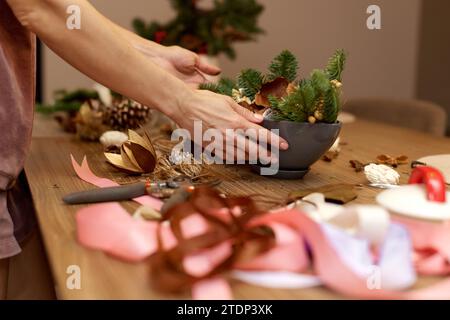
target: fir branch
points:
(320, 81)
(80, 95)
(213, 87)
(291, 108)
(250, 81)
(213, 30)
(284, 65)
(332, 106)
(225, 86)
(336, 65)
(58, 107)
(67, 101)
(309, 96)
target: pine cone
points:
(126, 114)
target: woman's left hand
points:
(187, 66)
(182, 63)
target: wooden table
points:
(51, 176)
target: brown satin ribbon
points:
(168, 274)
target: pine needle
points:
(336, 65)
(250, 81)
(284, 65)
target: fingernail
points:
(258, 117)
(284, 146)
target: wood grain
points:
(51, 176)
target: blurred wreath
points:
(206, 30)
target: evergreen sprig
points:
(315, 99)
(284, 65)
(251, 81)
(336, 65)
(211, 31)
(67, 101)
(225, 86)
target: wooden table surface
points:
(51, 176)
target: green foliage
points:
(336, 65)
(317, 96)
(206, 31)
(284, 65)
(332, 106)
(225, 86)
(67, 101)
(309, 96)
(251, 81)
(320, 81)
(291, 108)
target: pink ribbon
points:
(86, 174)
(108, 227)
(432, 246)
(335, 274)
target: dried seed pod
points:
(138, 156)
(126, 114)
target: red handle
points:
(433, 180)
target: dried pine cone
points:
(126, 114)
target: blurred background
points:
(409, 58)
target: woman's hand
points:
(222, 113)
(181, 63)
(187, 66)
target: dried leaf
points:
(357, 165)
(402, 160)
(291, 88)
(391, 161)
(253, 107)
(277, 88)
(385, 159)
(335, 193)
(330, 156)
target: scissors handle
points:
(120, 193)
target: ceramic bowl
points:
(307, 144)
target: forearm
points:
(149, 48)
(119, 66)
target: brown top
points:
(17, 92)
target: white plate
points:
(412, 201)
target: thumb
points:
(247, 114)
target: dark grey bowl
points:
(307, 144)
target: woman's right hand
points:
(221, 112)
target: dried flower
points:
(113, 139)
(357, 165)
(381, 174)
(138, 156)
(391, 161)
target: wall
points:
(381, 63)
(434, 61)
